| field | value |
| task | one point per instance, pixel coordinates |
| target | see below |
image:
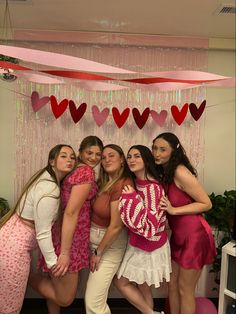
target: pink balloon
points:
(205, 306)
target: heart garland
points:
(58, 108)
(179, 115)
(140, 119)
(100, 116)
(159, 118)
(120, 118)
(77, 113)
(197, 112)
(38, 103)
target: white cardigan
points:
(41, 205)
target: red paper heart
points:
(58, 108)
(100, 116)
(179, 115)
(120, 118)
(38, 103)
(140, 119)
(197, 112)
(159, 118)
(77, 113)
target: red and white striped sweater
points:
(140, 212)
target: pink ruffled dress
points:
(79, 254)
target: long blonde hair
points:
(53, 154)
(104, 184)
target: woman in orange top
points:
(108, 237)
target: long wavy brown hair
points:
(53, 155)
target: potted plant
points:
(8, 59)
(220, 217)
(4, 207)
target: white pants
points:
(99, 282)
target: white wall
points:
(7, 141)
(219, 165)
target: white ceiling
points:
(155, 17)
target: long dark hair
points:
(178, 157)
(53, 155)
(148, 160)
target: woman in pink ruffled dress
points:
(71, 236)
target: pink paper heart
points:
(100, 116)
(38, 103)
(159, 118)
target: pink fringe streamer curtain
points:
(37, 132)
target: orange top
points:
(101, 214)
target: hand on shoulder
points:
(128, 189)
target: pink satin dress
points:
(192, 243)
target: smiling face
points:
(91, 155)
(135, 163)
(161, 151)
(112, 161)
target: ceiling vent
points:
(229, 8)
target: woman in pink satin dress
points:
(192, 243)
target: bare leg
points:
(147, 294)
(43, 285)
(61, 290)
(173, 290)
(188, 279)
(132, 293)
(53, 308)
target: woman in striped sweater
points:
(147, 258)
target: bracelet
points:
(96, 252)
(65, 253)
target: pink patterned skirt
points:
(17, 240)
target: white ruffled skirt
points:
(146, 267)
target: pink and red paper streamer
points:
(81, 69)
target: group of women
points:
(113, 223)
